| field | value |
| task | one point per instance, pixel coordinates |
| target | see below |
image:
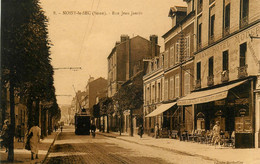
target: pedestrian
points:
(19, 131)
(35, 132)
(216, 133)
(157, 131)
(93, 129)
(61, 127)
(5, 134)
(141, 131)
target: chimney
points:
(124, 38)
(154, 39)
(117, 43)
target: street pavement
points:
(217, 154)
(71, 148)
(22, 155)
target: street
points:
(71, 148)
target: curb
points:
(168, 149)
(107, 135)
(46, 156)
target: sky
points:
(83, 33)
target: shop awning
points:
(207, 95)
(162, 108)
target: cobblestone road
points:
(70, 148)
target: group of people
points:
(33, 138)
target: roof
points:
(113, 50)
(191, 14)
(176, 9)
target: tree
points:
(25, 62)
(106, 109)
(130, 97)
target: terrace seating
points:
(173, 134)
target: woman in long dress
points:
(35, 140)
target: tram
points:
(82, 123)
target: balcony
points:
(199, 46)
(210, 80)
(244, 22)
(211, 1)
(242, 71)
(226, 31)
(225, 76)
(211, 39)
(199, 8)
(198, 84)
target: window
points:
(243, 49)
(244, 9)
(177, 53)
(225, 60)
(166, 90)
(148, 95)
(211, 66)
(198, 70)
(226, 18)
(166, 59)
(177, 86)
(171, 87)
(200, 3)
(159, 92)
(187, 47)
(187, 82)
(199, 32)
(211, 24)
(172, 55)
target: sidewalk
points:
(22, 155)
(218, 154)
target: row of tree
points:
(129, 97)
(26, 70)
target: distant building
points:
(126, 62)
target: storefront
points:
(232, 105)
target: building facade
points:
(153, 81)
(126, 60)
(226, 68)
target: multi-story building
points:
(95, 88)
(226, 68)
(153, 81)
(126, 57)
(126, 61)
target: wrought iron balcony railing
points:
(225, 76)
(226, 31)
(198, 84)
(244, 22)
(210, 80)
(242, 71)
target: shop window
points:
(244, 10)
(226, 19)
